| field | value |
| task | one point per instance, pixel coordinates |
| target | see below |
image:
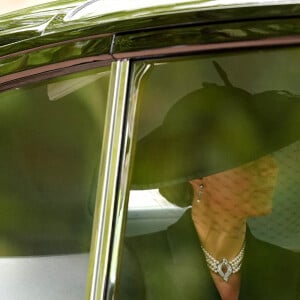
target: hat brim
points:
(213, 129)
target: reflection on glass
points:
(50, 147)
(213, 149)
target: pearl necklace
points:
(224, 267)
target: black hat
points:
(213, 129)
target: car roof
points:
(140, 8)
(127, 15)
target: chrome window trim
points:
(108, 183)
(129, 135)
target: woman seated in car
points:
(213, 153)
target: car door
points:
(87, 184)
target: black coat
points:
(170, 265)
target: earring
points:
(200, 192)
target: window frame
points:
(121, 215)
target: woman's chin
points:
(261, 211)
(266, 211)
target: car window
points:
(213, 209)
(51, 135)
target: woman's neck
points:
(221, 233)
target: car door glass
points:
(213, 206)
(51, 135)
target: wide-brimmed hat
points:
(212, 129)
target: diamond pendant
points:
(225, 269)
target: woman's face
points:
(246, 190)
